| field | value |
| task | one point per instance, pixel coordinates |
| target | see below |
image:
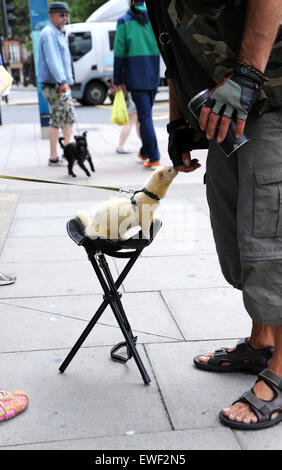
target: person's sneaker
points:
(59, 161)
(151, 165)
(6, 279)
(122, 151)
(142, 159)
(12, 404)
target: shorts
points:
(244, 193)
(61, 112)
(131, 108)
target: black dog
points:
(77, 152)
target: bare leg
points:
(53, 137)
(241, 412)
(138, 128)
(67, 131)
(127, 129)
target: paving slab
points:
(8, 204)
(170, 242)
(51, 331)
(206, 314)
(194, 397)
(39, 227)
(57, 322)
(194, 439)
(183, 221)
(55, 209)
(147, 313)
(266, 439)
(41, 194)
(164, 273)
(94, 397)
(22, 250)
(52, 278)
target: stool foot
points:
(117, 357)
(130, 354)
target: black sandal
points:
(261, 408)
(243, 359)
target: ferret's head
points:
(160, 180)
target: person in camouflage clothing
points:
(234, 48)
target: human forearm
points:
(263, 19)
(174, 110)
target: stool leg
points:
(97, 315)
(83, 337)
(110, 290)
(112, 297)
(131, 343)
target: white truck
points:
(91, 46)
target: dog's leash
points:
(34, 180)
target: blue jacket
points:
(136, 54)
(54, 60)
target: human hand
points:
(188, 163)
(123, 88)
(179, 146)
(64, 87)
(234, 97)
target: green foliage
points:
(80, 11)
(21, 29)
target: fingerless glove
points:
(182, 140)
(235, 96)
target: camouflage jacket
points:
(212, 32)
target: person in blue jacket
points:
(137, 69)
(55, 72)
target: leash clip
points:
(128, 191)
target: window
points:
(14, 53)
(80, 44)
(112, 39)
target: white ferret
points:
(116, 217)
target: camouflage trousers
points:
(61, 112)
(244, 194)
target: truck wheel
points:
(95, 94)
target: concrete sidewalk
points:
(176, 299)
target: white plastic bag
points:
(6, 81)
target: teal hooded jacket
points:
(136, 54)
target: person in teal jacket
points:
(137, 69)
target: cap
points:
(58, 7)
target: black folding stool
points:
(96, 250)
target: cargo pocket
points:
(268, 203)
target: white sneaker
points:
(6, 279)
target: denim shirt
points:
(54, 60)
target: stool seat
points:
(75, 229)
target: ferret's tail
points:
(60, 142)
(83, 217)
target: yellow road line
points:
(160, 117)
